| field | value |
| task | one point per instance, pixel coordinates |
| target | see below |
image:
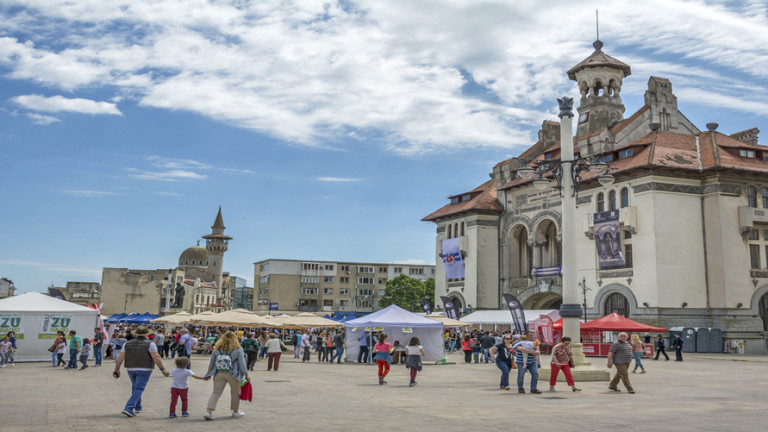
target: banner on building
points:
(427, 307)
(608, 240)
(451, 311)
(516, 309)
(11, 322)
(452, 261)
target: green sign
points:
(53, 323)
(10, 322)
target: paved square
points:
(707, 392)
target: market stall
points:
(399, 325)
(36, 318)
(593, 333)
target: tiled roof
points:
(485, 200)
(618, 127)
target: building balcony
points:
(309, 296)
(310, 308)
(749, 215)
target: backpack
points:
(224, 362)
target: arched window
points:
(462, 228)
(600, 202)
(751, 197)
(456, 229)
(616, 302)
(764, 194)
(612, 200)
(449, 230)
(624, 197)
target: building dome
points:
(195, 256)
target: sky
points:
(324, 130)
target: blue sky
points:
(325, 130)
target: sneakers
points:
(552, 388)
(631, 391)
(172, 415)
(413, 384)
(614, 389)
(521, 391)
(536, 391)
(138, 410)
(642, 372)
(238, 414)
(184, 414)
(129, 413)
(208, 416)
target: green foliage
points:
(407, 293)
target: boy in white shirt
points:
(180, 386)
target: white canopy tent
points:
(36, 318)
(491, 319)
(399, 325)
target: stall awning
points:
(616, 322)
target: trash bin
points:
(715, 340)
(702, 340)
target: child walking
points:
(383, 356)
(5, 351)
(180, 386)
(414, 352)
(85, 352)
(61, 349)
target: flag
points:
(452, 260)
(516, 309)
(427, 308)
(546, 333)
(451, 311)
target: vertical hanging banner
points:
(608, 240)
(454, 264)
(547, 331)
(427, 308)
(450, 309)
(516, 309)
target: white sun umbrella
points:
(308, 320)
(241, 318)
(179, 318)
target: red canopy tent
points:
(616, 322)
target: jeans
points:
(638, 362)
(139, 380)
(53, 358)
(72, 359)
(339, 352)
(452, 347)
(530, 367)
(263, 352)
(363, 355)
(84, 360)
(97, 355)
(486, 354)
(504, 367)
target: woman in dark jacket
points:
(500, 353)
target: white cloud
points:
(169, 175)
(173, 194)
(88, 193)
(337, 179)
(42, 119)
(395, 73)
(56, 104)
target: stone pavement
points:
(705, 392)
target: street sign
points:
(273, 306)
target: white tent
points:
(36, 318)
(486, 319)
(399, 325)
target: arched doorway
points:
(616, 302)
(548, 250)
(459, 305)
(544, 300)
(520, 252)
(763, 306)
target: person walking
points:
(306, 343)
(322, 354)
(297, 340)
(180, 386)
(363, 353)
(525, 359)
(501, 355)
(185, 343)
(140, 357)
(382, 353)
(75, 343)
(620, 355)
(413, 351)
(677, 344)
(329, 346)
(486, 343)
(338, 342)
(159, 341)
(55, 352)
(5, 351)
(263, 338)
(61, 349)
(467, 348)
(638, 350)
(85, 353)
(251, 348)
(562, 359)
(98, 345)
(274, 351)
(660, 348)
(227, 367)
(12, 340)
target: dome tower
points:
(216, 243)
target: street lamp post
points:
(567, 173)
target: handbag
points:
(283, 348)
(52, 348)
(571, 363)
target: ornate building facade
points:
(692, 208)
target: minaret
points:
(599, 77)
(216, 243)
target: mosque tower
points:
(216, 243)
(599, 77)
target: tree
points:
(405, 292)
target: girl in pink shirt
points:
(383, 356)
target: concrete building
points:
(692, 207)
(82, 293)
(197, 283)
(7, 288)
(327, 286)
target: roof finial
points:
(598, 44)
